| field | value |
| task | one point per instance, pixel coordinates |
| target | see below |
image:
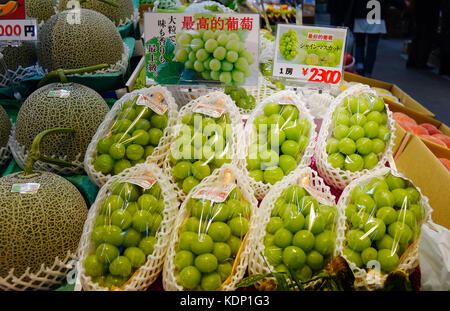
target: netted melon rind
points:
(257, 263)
(95, 40)
(148, 272)
(261, 188)
(5, 127)
(365, 280)
(169, 279)
(159, 154)
(22, 55)
(82, 111)
(42, 10)
(118, 16)
(339, 178)
(38, 227)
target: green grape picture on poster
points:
(190, 49)
(309, 53)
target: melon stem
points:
(35, 154)
(62, 73)
(111, 3)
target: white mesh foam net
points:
(160, 151)
(148, 272)
(337, 177)
(242, 259)
(365, 280)
(45, 279)
(14, 77)
(261, 188)
(257, 263)
(237, 148)
(199, 7)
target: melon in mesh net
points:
(23, 55)
(118, 15)
(78, 38)
(82, 111)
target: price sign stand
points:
(15, 28)
(309, 55)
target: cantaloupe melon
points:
(5, 127)
(42, 10)
(83, 111)
(37, 228)
(68, 43)
(118, 14)
(23, 55)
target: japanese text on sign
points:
(309, 53)
(217, 23)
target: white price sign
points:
(18, 29)
(309, 53)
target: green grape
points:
(211, 45)
(288, 44)
(220, 53)
(215, 64)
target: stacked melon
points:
(82, 110)
(5, 131)
(69, 43)
(120, 15)
(22, 55)
(42, 10)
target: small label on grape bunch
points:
(159, 107)
(217, 193)
(309, 53)
(209, 110)
(59, 93)
(25, 188)
(143, 182)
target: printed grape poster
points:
(192, 49)
(309, 53)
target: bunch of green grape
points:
(288, 44)
(320, 53)
(210, 241)
(280, 136)
(240, 97)
(204, 144)
(383, 218)
(134, 136)
(216, 55)
(360, 134)
(300, 234)
(124, 233)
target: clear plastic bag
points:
(134, 131)
(208, 134)
(356, 137)
(210, 244)
(280, 135)
(127, 232)
(379, 226)
(296, 226)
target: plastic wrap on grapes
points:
(204, 140)
(125, 238)
(383, 217)
(136, 126)
(278, 134)
(208, 250)
(297, 223)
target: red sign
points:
(12, 9)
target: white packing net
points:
(14, 77)
(235, 143)
(266, 49)
(184, 94)
(46, 278)
(240, 262)
(371, 279)
(146, 274)
(258, 264)
(340, 178)
(103, 130)
(259, 187)
(20, 156)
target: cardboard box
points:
(409, 103)
(420, 165)
(438, 150)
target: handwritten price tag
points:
(322, 75)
